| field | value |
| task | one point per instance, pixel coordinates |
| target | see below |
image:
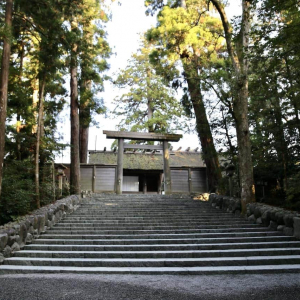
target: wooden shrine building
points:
(135, 168)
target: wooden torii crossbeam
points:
(165, 138)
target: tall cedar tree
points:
(4, 81)
(185, 35)
(147, 103)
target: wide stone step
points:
(146, 222)
(182, 214)
(137, 224)
(216, 239)
(160, 236)
(168, 236)
(160, 254)
(262, 269)
(117, 228)
(155, 262)
(219, 228)
(169, 247)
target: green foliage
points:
(17, 190)
(148, 104)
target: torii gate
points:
(145, 136)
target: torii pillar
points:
(164, 138)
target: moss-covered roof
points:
(148, 161)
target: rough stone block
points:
(35, 222)
(258, 221)
(252, 218)
(280, 227)
(257, 212)
(288, 231)
(31, 229)
(266, 218)
(15, 247)
(273, 225)
(12, 239)
(23, 234)
(3, 240)
(297, 227)
(279, 218)
(288, 220)
(41, 224)
(1, 258)
(29, 238)
(7, 251)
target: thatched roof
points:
(147, 161)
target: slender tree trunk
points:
(240, 105)
(85, 99)
(149, 102)
(279, 138)
(203, 129)
(84, 140)
(4, 84)
(75, 161)
(38, 143)
(18, 142)
(84, 117)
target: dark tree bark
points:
(203, 129)
(4, 83)
(38, 142)
(240, 104)
(75, 161)
(84, 120)
(84, 140)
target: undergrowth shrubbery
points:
(18, 190)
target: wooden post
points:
(94, 179)
(120, 166)
(53, 181)
(167, 171)
(190, 181)
(144, 184)
(60, 184)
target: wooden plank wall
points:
(86, 178)
(199, 181)
(180, 181)
(105, 179)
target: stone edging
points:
(275, 218)
(14, 235)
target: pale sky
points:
(128, 22)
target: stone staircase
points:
(152, 234)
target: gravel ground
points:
(158, 287)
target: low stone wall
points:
(229, 204)
(275, 218)
(14, 235)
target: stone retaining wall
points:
(275, 218)
(14, 235)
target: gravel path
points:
(114, 287)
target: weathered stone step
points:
(138, 224)
(263, 269)
(207, 228)
(142, 214)
(155, 236)
(141, 220)
(160, 254)
(169, 247)
(126, 227)
(155, 262)
(142, 242)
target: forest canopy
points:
(237, 78)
